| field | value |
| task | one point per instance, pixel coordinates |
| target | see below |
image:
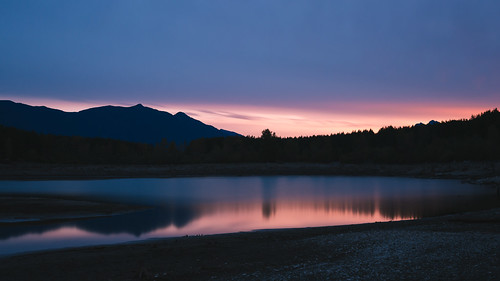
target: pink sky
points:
(290, 121)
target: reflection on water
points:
(190, 206)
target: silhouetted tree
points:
(268, 134)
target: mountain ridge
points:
(136, 123)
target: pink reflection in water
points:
(215, 218)
(226, 218)
(62, 237)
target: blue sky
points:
(256, 57)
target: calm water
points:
(191, 206)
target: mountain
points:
(136, 123)
(432, 122)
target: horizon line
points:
(248, 120)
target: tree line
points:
(474, 139)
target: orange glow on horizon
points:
(322, 119)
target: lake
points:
(199, 206)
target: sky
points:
(296, 67)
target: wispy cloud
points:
(231, 114)
(192, 114)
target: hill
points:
(134, 124)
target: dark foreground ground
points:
(456, 247)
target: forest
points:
(474, 139)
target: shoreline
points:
(17, 209)
(452, 247)
(473, 172)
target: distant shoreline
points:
(474, 172)
(18, 209)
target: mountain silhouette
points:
(136, 123)
(432, 122)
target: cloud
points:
(191, 114)
(231, 115)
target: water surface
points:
(192, 206)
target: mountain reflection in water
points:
(220, 205)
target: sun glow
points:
(294, 121)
